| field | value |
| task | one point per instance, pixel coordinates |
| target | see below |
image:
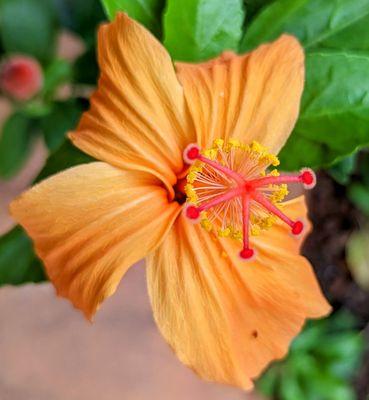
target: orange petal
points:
(251, 97)
(90, 223)
(226, 318)
(138, 116)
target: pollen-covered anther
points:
(308, 178)
(191, 153)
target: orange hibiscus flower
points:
(227, 304)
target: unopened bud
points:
(21, 77)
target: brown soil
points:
(334, 218)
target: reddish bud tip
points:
(308, 178)
(297, 228)
(21, 77)
(246, 254)
(191, 153)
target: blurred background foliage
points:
(332, 133)
(321, 362)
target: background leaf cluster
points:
(320, 364)
(335, 107)
(32, 28)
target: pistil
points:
(233, 187)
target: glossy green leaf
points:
(18, 263)
(196, 30)
(290, 388)
(320, 364)
(268, 381)
(254, 6)
(58, 72)
(85, 69)
(36, 108)
(80, 16)
(334, 118)
(63, 117)
(342, 170)
(323, 386)
(359, 195)
(147, 12)
(363, 168)
(357, 250)
(28, 26)
(15, 144)
(340, 24)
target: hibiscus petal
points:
(90, 224)
(251, 97)
(226, 318)
(138, 117)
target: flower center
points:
(233, 190)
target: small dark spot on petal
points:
(255, 334)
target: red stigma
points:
(297, 227)
(246, 253)
(192, 212)
(193, 153)
(307, 177)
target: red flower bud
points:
(21, 77)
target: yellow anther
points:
(224, 232)
(275, 160)
(234, 143)
(211, 153)
(191, 193)
(206, 224)
(274, 172)
(218, 143)
(237, 235)
(257, 147)
(255, 230)
(191, 177)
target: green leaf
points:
(289, 387)
(268, 382)
(63, 117)
(28, 26)
(85, 69)
(363, 168)
(147, 12)
(359, 195)
(357, 250)
(340, 24)
(326, 387)
(64, 157)
(35, 108)
(15, 144)
(58, 72)
(18, 263)
(334, 118)
(80, 16)
(342, 170)
(195, 30)
(254, 6)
